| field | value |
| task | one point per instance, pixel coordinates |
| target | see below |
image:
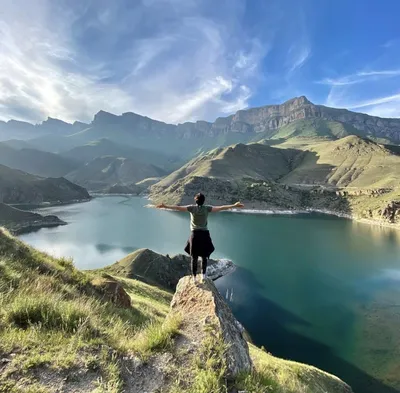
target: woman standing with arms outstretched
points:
(199, 243)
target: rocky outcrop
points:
(163, 270)
(202, 309)
(114, 291)
(391, 212)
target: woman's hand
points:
(160, 206)
(238, 205)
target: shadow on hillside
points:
(309, 179)
(269, 325)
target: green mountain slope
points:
(236, 162)
(21, 187)
(350, 176)
(311, 128)
(36, 162)
(87, 332)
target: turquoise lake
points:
(311, 288)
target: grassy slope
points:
(307, 164)
(236, 162)
(347, 162)
(56, 327)
(311, 128)
(53, 319)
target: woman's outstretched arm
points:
(172, 207)
(217, 209)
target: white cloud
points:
(160, 58)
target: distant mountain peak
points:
(103, 117)
(55, 121)
(301, 100)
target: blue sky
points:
(184, 60)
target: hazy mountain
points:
(14, 129)
(20, 187)
(17, 144)
(36, 162)
(103, 172)
(105, 147)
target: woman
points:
(199, 243)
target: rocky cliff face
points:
(264, 119)
(269, 118)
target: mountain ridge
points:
(18, 187)
(252, 120)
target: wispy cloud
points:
(359, 77)
(298, 57)
(391, 43)
(375, 101)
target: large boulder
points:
(201, 305)
(113, 291)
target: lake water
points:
(312, 288)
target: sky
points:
(187, 60)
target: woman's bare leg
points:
(195, 258)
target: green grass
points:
(276, 375)
(156, 337)
(54, 317)
(207, 368)
(311, 128)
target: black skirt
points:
(200, 244)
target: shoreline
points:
(318, 211)
(289, 212)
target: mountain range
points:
(244, 126)
(271, 156)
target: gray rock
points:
(202, 305)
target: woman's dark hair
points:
(200, 199)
